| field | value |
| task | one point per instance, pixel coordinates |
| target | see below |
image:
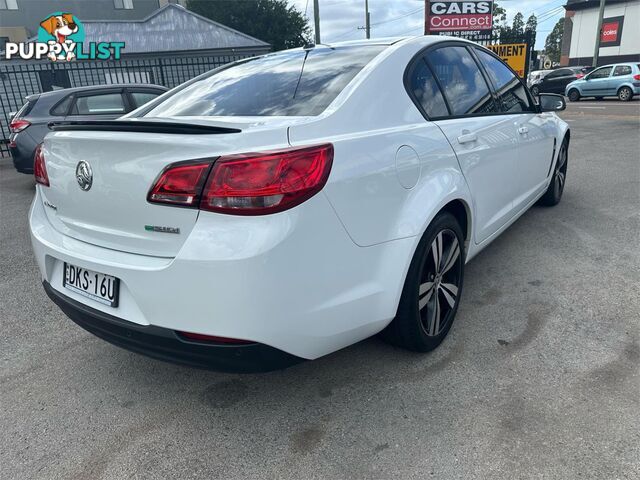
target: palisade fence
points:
(26, 78)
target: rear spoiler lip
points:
(139, 126)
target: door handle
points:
(467, 137)
(522, 130)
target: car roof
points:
(65, 91)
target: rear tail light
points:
(579, 76)
(250, 184)
(18, 124)
(198, 337)
(40, 168)
(636, 77)
(180, 184)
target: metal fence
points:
(22, 79)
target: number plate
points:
(96, 286)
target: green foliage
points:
(517, 28)
(272, 21)
(532, 26)
(553, 43)
(514, 33)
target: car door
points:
(555, 81)
(483, 139)
(597, 83)
(107, 104)
(536, 131)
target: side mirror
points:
(551, 102)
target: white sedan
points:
(283, 207)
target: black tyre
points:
(432, 289)
(553, 195)
(535, 91)
(574, 95)
(625, 94)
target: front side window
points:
(510, 91)
(426, 91)
(104, 104)
(603, 72)
(464, 86)
(290, 83)
(621, 70)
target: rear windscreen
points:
(290, 83)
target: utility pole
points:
(596, 52)
(316, 20)
(367, 19)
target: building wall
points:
(585, 25)
(31, 12)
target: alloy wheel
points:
(624, 94)
(440, 283)
(560, 174)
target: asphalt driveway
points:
(539, 377)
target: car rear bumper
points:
(22, 150)
(167, 345)
(294, 281)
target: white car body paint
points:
(310, 280)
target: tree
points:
(273, 21)
(532, 26)
(517, 28)
(499, 21)
(553, 42)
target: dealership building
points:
(619, 38)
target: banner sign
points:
(514, 54)
(611, 32)
(470, 19)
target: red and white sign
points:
(470, 19)
(611, 32)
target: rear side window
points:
(510, 91)
(103, 104)
(62, 108)
(140, 98)
(622, 70)
(464, 86)
(292, 83)
(426, 91)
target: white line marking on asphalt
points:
(597, 108)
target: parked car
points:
(620, 80)
(582, 71)
(555, 81)
(283, 207)
(535, 76)
(29, 125)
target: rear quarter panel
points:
(369, 186)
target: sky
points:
(340, 19)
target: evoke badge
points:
(84, 175)
(156, 228)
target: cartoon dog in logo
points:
(60, 27)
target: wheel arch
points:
(461, 210)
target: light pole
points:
(316, 20)
(367, 19)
